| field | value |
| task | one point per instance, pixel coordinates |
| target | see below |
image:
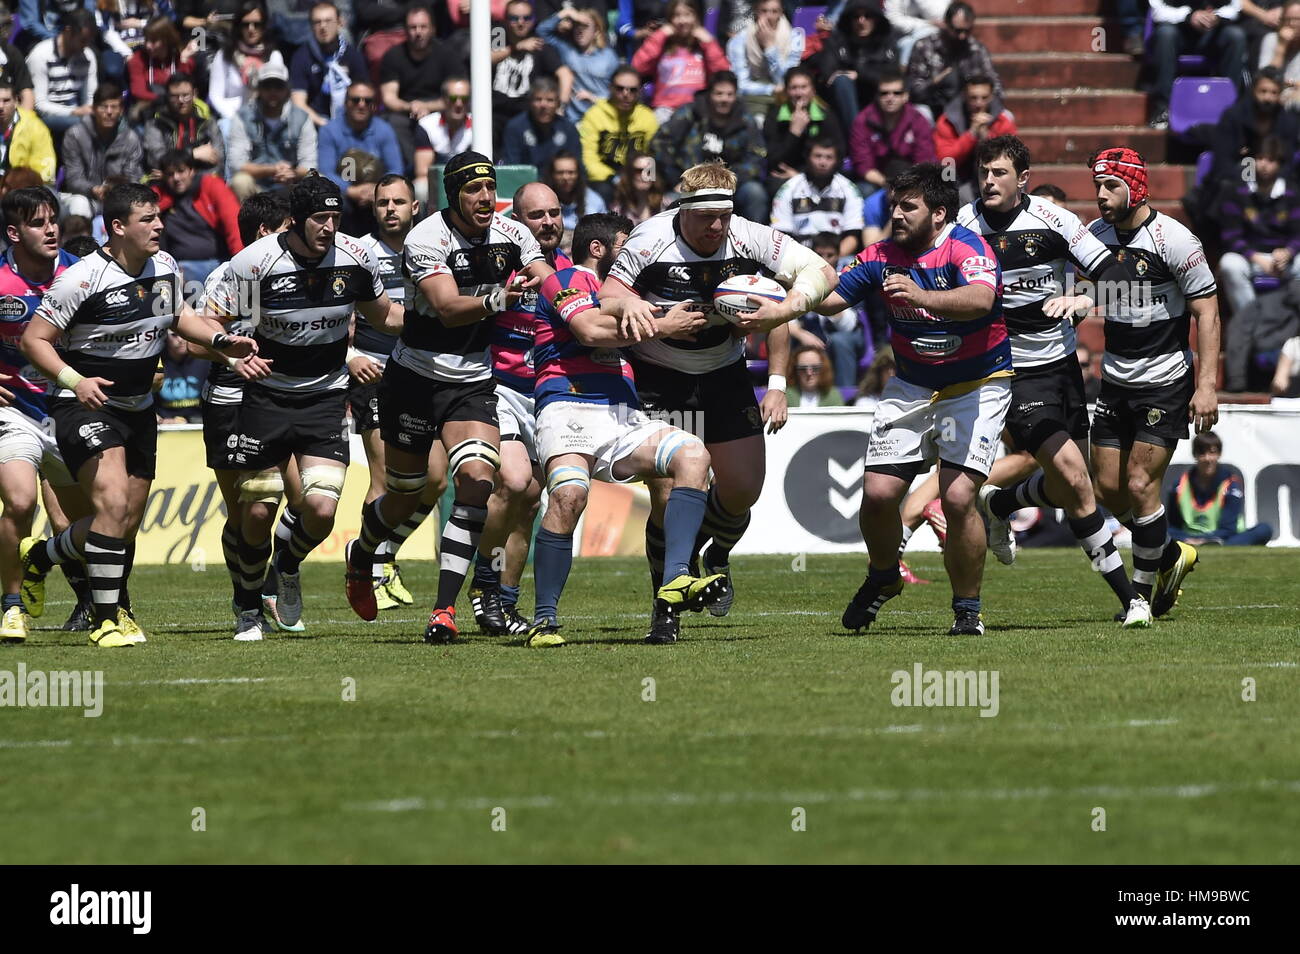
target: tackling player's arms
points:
(624, 322)
(966, 303)
(456, 310)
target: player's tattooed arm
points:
(1204, 409)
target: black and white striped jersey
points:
(659, 266)
(1147, 343)
(114, 324)
(367, 339)
(223, 385)
(436, 247)
(300, 309)
(1034, 242)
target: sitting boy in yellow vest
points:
(1207, 505)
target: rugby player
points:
(97, 334)
(300, 287)
(395, 209)
(949, 397)
(1034, 239)
(589, 424)
(512, 508)
(437, 385)
(29, 455)
(702, 383)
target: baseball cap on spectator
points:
(274, 70)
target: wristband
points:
(221, 340)
(233, 362)
(69, 378)
(352, 353)
(776, 382)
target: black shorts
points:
(220, 433)
(1046, 399)
(1152, 414)
(82, 434)
(716, 407)
(363, 400)
(413, 408)
(275, 425)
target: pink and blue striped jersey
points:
(566, 369)
(934, 352)
(513, 333)
(19, 296)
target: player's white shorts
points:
(21, 438)
(606, 433)
(963, 430)
(516, 417)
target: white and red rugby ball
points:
(732, 296)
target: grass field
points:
(768, 710)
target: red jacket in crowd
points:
(216, 204)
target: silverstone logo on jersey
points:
(823, 486)
(272, 323)
(77, 907)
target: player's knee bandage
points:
(397, 482)
(472, 449)
(672, 442)
(324, 480)
(567, 477)
(265, 486)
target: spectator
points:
(121, 27)
(820, 200)
(890, 135)
(853, 56)
(246, 49)
(524, 57)
(459, 12)
(155, 61)
(614, 127)
(101, 151)
(912, 20)
(356, 150)
(1091, 380)
(941, 62)
(579, 39)
(875, 216)
(200, 217)
(564, 174)
(81, 244)
(763, 51)
(273, 143)
(1286, 379)
(1280, 49)
(811, 381)
(325, 66)
(184, 373)
(42, 19)
(791, 125)
(840, 335)
(636, 21)
(64, 73)
(443, 134)
(872, 387)
(535, 136)
(967, 122)
(713, 127)
(1246, 122)
(1261, 228)
(178, 126)
(639, 189)
(1208, 503)
(292, 20)
(1197, 27)
(679, 58)
(1052, 192)
(13, 66)
(383, 16)
(25, 141)
(217, 17)
(411, 76)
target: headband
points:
(708, 200)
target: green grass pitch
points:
(756, 715)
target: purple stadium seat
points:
(1266, 283)
(805, 18)
(711, 19)
(1198, 99)
(1204, 163)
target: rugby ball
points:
(732, 296)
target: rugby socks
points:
(374, 531)
(1031, 492)
(60, 548)
(10, 600)
(654, 553)
(124, 594)
(552, 560)
(965, 604)
(252, 573)
(74, 571)
(289, 557)
(724, 527)
(509, 596)
(486, 577)
(1150, 537)
(284, 527)
(682, 520)
(1099, 546)
(902, 544)
(885, 577)
(230, 550)
(106, 566)
(459, 543)
(383, 555)
(410, 525)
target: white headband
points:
(708, 200)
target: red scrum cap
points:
(1126, 165)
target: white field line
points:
(854, 795)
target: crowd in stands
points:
(610, 101)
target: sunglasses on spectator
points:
(625, 89)
(252, 23)
(806, 368)
(361, 100)
(457, 99)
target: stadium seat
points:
(1204, 163)
(1199, 100)
(1188, 63)
(805, 18)
(711, 19)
